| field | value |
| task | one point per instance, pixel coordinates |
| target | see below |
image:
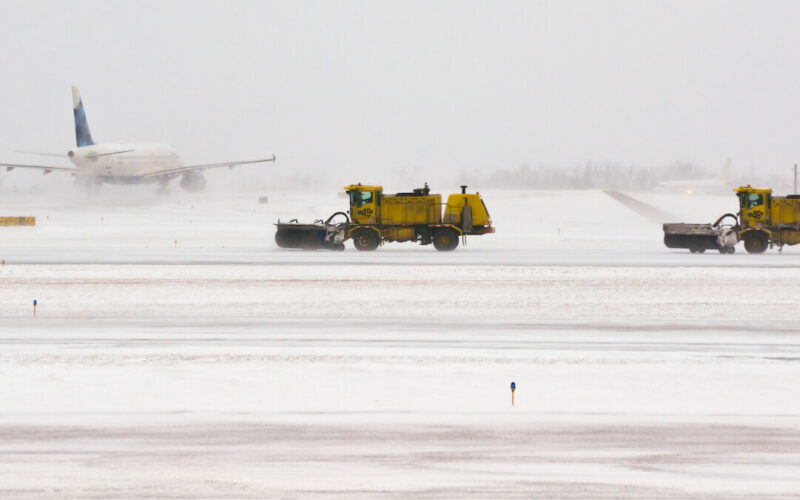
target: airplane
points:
(719, 184)
(112, 163)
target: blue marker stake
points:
(34, 307)
(513, 388)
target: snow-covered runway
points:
(223, 367)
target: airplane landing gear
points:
(91, 186)
(163, 188)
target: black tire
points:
(445, 240)
(731, 249)
(701, 250)
(365, 240)
(756, 242)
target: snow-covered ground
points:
(178, 353)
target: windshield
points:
(359, 198)
(754, 200)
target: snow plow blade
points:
(698, 238)
(306, 236)
(328, 235)
(695, 237)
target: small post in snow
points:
(513, 388)
(34, 307)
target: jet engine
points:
(193, 182)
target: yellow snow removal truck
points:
(767, 220)
(376, 218)
(763, 220)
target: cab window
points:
(360, 198)
(743, 200)
(754, 200)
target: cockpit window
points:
(360, 198)
(754, 200)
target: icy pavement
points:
(222, 367)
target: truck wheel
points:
(365, 240)
(755, 242)
(445, 240)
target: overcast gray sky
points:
(434, 84)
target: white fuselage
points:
(124, 163)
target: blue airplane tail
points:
(82, 135)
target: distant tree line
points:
(588, 176)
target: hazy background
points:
(379, 91)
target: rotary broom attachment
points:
(698, 238)
(329, 234)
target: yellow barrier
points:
(17, 221)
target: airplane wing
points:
(189, 168)
(46, 169)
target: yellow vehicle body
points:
(17, 221)
(416, 216)
(454, 211)
(411, 210)
(767, 220)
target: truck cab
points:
(365, 203)
(755, 220)
(754, 206)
